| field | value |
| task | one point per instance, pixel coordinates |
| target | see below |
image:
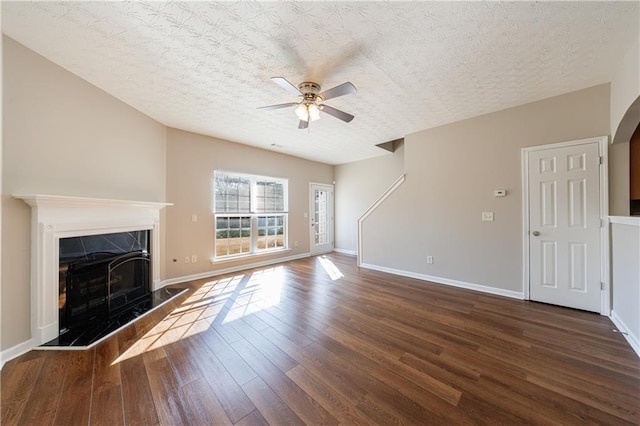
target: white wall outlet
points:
(194, 218)
(487, 216)
(430, 260)
(194, 258)
(186, 259)
(306, 215)
(296, 243)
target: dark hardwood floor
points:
(287, 344)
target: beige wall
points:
(63, 136)
(625, 89)
(625, 274)
(358, 186)
(452, 172)
(191, 161)
(625, 92)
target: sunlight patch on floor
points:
(262, 291)
(215, 302)
(330, 268)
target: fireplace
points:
(101, 277)
(130, 272)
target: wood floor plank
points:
(272, 408)
(139, 407)
(18, 381)
(235, 365)
(106, 397)
(75, 400)
(205, 409)
(183, 361)
(253, 419)
(342, 409)
(278, 357)
(366, 348)
(167, 396)
(228, 392)
(43, 401)
(107, 408)
(327, 369)
(302, 404)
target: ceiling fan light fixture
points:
(302, 112)
(314, 112)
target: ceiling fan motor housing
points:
(310, 91)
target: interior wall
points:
(358, 186)
(191, 161)
(625, 116)
(625, 273)
(452, 172)
(63, 136)
(625, 89)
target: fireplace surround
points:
(54, 217)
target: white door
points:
(321, 208)
(564, 226)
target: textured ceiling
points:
(205, 66)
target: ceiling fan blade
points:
(341, 90)
(278, 106)
(303, 124)
(336, 113)
(286, 85)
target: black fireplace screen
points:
(101, 276)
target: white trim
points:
(605, 293)
(605, 257)
(345, 251)
(38, 200)
(370, 210)
(633, 340)
(446, 281)
(525, 225)
(625, 220)
(16, 351)
(231, 270)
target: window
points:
(250, 214)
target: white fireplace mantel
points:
(54, 217)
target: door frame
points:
(605, 292)
(331, 189)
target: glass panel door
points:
(321, 204)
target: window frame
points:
(254, 213)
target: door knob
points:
(535, 233)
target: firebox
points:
(101, 278)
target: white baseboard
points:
(344, 251)
(633, 340)
(447, 281)
(16, 351)
(231, 270)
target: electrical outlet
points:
(430, 260)
(186, 259)
(194, 218)
(194, 258)
(296, 243)
(487, 216)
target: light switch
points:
(500, 193)
(194, 218)
(487, 216)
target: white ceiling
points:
(205, 66)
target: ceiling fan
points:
(309, 107)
